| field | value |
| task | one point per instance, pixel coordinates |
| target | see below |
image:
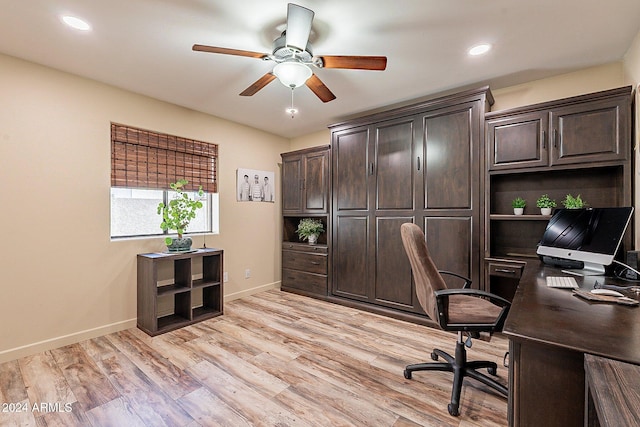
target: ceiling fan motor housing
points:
(282, 52)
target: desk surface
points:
(556, 317)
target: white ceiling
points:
(145, 46)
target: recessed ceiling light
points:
(76, 23)
(479, 49)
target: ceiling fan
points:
(293, 57)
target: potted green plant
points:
(571, 202)
(177, 214)
(309, 229)
(545, 203)
(518, 205)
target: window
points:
(143, 163)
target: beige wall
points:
(62, 279)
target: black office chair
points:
(465, 310)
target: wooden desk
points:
(612, 398)
(550, 330)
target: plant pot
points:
(545, 211)
(518, 211)
(180, 245)
(313, 239)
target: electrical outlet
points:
(225, 276)
(247, 273)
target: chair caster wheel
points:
(453, 410)
(492, 371)
(434, 356)
(407, 374)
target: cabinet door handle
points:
(371, 168)
(315, 263)
(418, 163)
(544, 139)
(555, 138)
(505, 270)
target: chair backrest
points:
(425, 274)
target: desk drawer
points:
(504, 269)
(307, 262)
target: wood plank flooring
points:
(273, 359)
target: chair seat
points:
(468, 310)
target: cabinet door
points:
(316, 182)
(351, 278)
(518, 142)
(589, 132)
(292, 169)
(394, 165)
(351, 169)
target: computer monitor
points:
(591, 235)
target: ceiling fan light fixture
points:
(292, 74)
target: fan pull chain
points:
(292, 110)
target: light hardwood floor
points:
(273, 359)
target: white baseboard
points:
(247, 292)
(50, 344)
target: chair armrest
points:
(467, 281)
(442, 302)
(493, 298)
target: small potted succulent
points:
(571, 202)
(546, 204)
(177, 214)
(518, 205)
(309, 229)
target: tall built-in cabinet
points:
(422, 164)
(579, 145)
(305, 194)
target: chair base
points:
(460, 368)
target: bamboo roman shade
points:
(147, 159)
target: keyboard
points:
(562, 282)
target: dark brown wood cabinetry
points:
(589, 128)
(305, 194)
(579, 145)
(305, 181)
(189, 285)
(423, 164)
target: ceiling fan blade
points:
(259, 84)
(319, 88)
(226, 51)
(355, 62)
(298, 26)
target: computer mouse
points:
(609, 292)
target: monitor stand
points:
(590, 269)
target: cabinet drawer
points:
(505, 270)
(309, 282)
(305, 247)
(312, 263)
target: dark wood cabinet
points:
(519, 140)
(305, 181)
(590, 128)
(304, 268)
(305, 194)
(579, 145)
(189, 284)
(422, 164)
